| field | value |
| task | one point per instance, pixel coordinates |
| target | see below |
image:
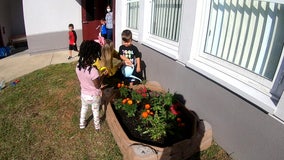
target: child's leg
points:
(75, 48)
(70, 51)
(96, 109)
(84, 110)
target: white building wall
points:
(47, 22)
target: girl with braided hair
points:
(90, 81)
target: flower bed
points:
(152, 119)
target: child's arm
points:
(98, 81)
(137, 60)
(138, 67)
(75, 36)
(115, 54)
(123, 58)
(126, 60)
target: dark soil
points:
(129, 125)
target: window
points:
(239, 44)
(132, 14)
(246, 33)
(166, 19)
(155, 23)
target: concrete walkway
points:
(23, 63)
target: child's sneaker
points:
(83, 125)
(97, 127)
(69, 57)
(2, 84)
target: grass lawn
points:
(39, 119)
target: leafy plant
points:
(159, 115)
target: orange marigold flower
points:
(147, 106)
(130, 102)
(118, 85)
(124, 101)
(144, 114)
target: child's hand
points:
(105, 72)
(128, 63)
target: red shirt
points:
(72, 37)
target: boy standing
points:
(72, 40)
(130, 53)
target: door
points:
(92, 12)
(1, 38)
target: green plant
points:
(129, 105)
(157, 111)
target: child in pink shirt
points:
(90, 81)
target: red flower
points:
(144, 90)
(173, 109)
(144, 95)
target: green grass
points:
(39, 119)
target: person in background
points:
(109, 22)
(103, 28)
(72, 40)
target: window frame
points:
(165, 46)
(249, 85)
(135, 32)
(192, 33)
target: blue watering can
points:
(127, 72)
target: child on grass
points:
(130, 54)
(90, 81)
(72, 40)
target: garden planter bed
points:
(133, 147)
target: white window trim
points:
(135, 32)
(142, 35)
(164, 46)
(238, 83)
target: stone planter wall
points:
(132, 150)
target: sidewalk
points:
(23, 63)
